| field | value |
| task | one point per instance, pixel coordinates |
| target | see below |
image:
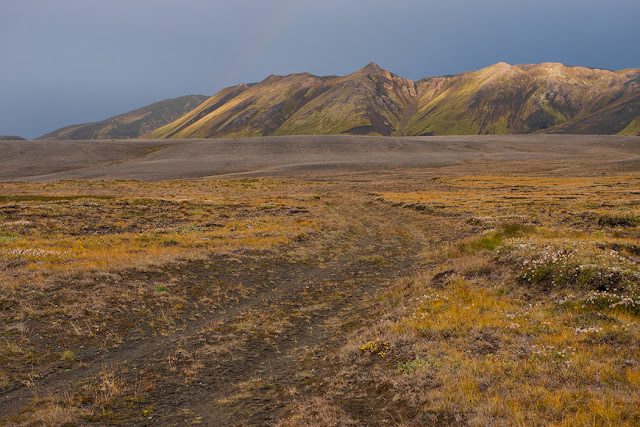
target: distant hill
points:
(500, 99)
(132, 124)
(11, 138)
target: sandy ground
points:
(310, 156)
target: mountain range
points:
(133, 124)
(499, 99)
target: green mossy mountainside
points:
(132, 124)
(500, 99)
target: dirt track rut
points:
(242, 363)
(277, 337)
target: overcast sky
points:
(74, 61)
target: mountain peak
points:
(372, 67)
(271, 78)
(552, 64)
(500, 65)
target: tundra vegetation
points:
(396, 298)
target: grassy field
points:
(460, 299)
(533, 320)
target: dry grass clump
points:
(318, 412)
(50, 414)
(93, 400)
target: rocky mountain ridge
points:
(500, 99)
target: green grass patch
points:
(417, 364)
(493, 240)
(170, 242)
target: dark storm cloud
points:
(74, 61)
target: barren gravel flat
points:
(310, 156)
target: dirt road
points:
(243, 361)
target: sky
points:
(65, 62)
